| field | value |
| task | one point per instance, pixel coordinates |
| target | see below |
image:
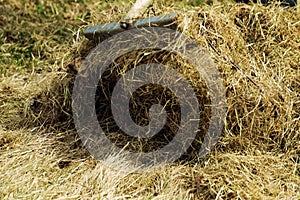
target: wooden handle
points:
(137, 9)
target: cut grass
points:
(257, 156)
(41, 166)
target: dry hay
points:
(257, 50)
(42, 167)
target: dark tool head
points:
(102, 32)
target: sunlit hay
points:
(257, 53)
(256, 49)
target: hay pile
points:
(256, 49)
(257, 53)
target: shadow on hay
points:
(52, 109)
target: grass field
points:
(257, 50)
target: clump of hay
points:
(255, 50)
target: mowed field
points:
(256, 49)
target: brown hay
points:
(257, 50)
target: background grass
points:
(257, 50)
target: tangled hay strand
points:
(256, 49)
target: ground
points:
(257, 50)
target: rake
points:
(99, 33)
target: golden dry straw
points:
(256, 49)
